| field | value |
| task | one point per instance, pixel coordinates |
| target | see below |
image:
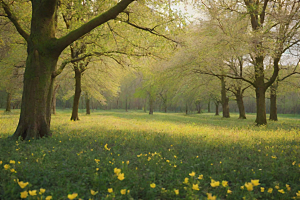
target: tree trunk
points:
(53, 103)
(208, 107)
(87, 104)
(145, 105)
(261, 117)
(126, 105)
(150, 106)
(240, 103)
(8, 102)
(225, 99)
(74, 116)
(273, 103)
(186, 109)
(217, 108)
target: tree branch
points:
(112, 13)
(14, 20)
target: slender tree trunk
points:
(126, 104)
(78, 74)
(261, 117)
(8, 102)
(273, 103)
(199, 107)
(240, 103)
(225, 99)
(53, 103)
(208, 106)
(151, 106)
(145, 105)
(186, 108)
(217, 108)
(87, 104)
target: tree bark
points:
(54, 100)
(150, 106)
(273, 102)
(217, 108)
(126, 104)
(261, 117)
(8, 102)
(240, 103)
(225, 99)
(78, 74)
(87, 104)
(208, 107)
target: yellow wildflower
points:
(121, 176)
(186, 180)
(281, 191)
(72, 196)
(93, 192)
(200, 177)
(214, 183)
(12, 162)
(255, 182)
(242, 187)
(42, 190)
(123, 191)
(225, 183)
(22, 184)
(192, 174)
(0, 162)
(210, 197)
(288, 187)
(249, 186)
(127, 162)
(176, 192)
(152, 185)
(97, 161)
(48, 198)
(117, 171)
(12, 170)
(277, 187)
(294, 163)
(229, 191)
(105, 146)
(298, 193)
(24, 195)
(110, 190)
(270, 190)
(262, 189)
(32, 192)
(195, 187)
(6, 166)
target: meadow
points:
(131, 155)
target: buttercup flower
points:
(229, 191)
(270, 190)
(214, 183)
(262, 189)
(298, 193)
(6, 166)
(277, 187)
(281, 191)
(210, 197)
(42, 190)
(121, 176)
(255, 182)
(186, 180)
(176, 192)
(225, 183)
(12, 162)
(152, 185)
(110, 190)
(288, 187)
(22, 184)
(72, 196)
(249, 186)
(123, 191)
(200, 177)
(32, 192)
(105, 146)
(117, 171)
(195, 187)
(24, 195)
(192, 174)
(48, 198)
(93, 192)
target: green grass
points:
(163, 149)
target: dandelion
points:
(270, 190)
(229, 191)
(225, 183)
(24, 195)
(281, 191)
(93, 192)
(32, 192)
(121, 176)
(262, 189)
(6, 166)
(72, 196)
(42, 190)
(210, 197)
(249, 186)
(22, 184)
(48, 198)
(110, 190)
(214, 183)
(123, 191)
(195, 187)
(12, 162)
(117, 171)
(152, 185)
(255, 182)
(186, 180)
(200, 177)
(192, 174)
(176, 192)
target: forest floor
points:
(132, 155)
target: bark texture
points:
(217, 108)
(87, 104)
(240, 103)
(273, 101)
(75, 107)
(151, 102)
(8, 102)
(225, 99)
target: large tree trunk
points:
(8, 102)
(273, 103)
(87, 104)
(240, 103)
(225, 99)
(261, 117)
(78, 74)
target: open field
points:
(156, 154)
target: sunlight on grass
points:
(119, 155)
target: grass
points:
(156, 154)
